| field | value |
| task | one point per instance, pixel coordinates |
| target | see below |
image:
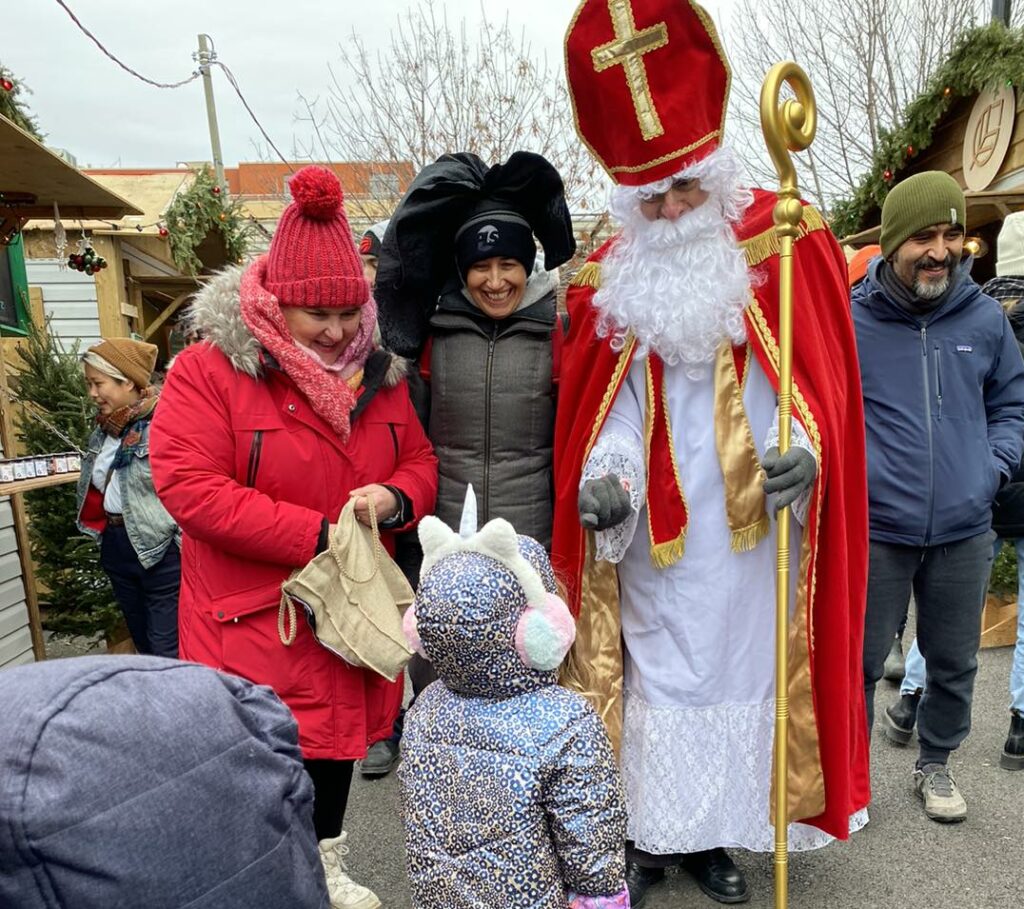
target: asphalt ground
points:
(900, 860)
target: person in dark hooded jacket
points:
(1007, 521)
(943, 385)
(144, 781)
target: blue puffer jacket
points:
(140, 781)
(944, 411)
(510, 792)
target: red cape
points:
(828, 403)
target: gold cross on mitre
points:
(628, 49)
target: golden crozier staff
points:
(789, 126)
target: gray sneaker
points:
(942, 799)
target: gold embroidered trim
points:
(766, 244)
(589, 275)
(709, 26)
(609, 394)
(746, 538)
(637, 168)
(666, 554)
(806, 783)
(627, 50)
(810, 425)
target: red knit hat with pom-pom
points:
(313, 259)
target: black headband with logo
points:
(491, 234)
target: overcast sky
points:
(107, 118)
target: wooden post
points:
(28, 572)
(110, 289)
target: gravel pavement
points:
(900, 860)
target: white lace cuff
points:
(618, 454)
(797, 437)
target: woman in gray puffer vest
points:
(458, 291)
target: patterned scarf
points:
(329, 392)
(1008, 287)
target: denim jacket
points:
(150, 528)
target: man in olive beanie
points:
(943, 384)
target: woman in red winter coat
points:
(264, 432)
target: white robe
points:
(699, 636)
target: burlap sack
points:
(353, 595)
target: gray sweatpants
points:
(949, 584)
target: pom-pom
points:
(317, 192)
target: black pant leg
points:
(331, 783)
(160, 585)
(891, 570)
(119, 561)
(950, 594)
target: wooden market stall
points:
(32, 180)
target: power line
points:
(234, 84)
(123, 66)
(196, 75)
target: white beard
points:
(679, 286)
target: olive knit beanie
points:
(135, 360)
(930, 197)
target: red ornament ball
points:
(317, 192)
(887, 176)
(6, 84)
(910, 150)
(164, 231)
(215, 190)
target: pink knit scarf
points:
(328, 391)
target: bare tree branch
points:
(441, 87)
(866, 65)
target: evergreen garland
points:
(984, 56)
(13, 107)
(196, 212)
(1003, 582)
(74, 590)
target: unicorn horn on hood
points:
(468, 524)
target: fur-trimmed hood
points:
(216, 314)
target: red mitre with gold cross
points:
(649, 83)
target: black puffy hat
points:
(426, 250)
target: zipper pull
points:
(924, 341)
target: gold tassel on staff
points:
(787, 126)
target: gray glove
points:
(603, 503)
(789, 475)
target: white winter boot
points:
(344, 892)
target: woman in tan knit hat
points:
(117, 504)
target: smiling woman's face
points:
(497, 285)
(107, 393)
(326, 331)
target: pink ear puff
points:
(411, 631)
(545, 633)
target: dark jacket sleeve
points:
(1004, 404)
(585, 808)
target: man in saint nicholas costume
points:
(668, 473)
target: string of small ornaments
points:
(86, 259)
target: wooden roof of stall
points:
(27, 166)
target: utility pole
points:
(1001, 11)
(205, 57)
